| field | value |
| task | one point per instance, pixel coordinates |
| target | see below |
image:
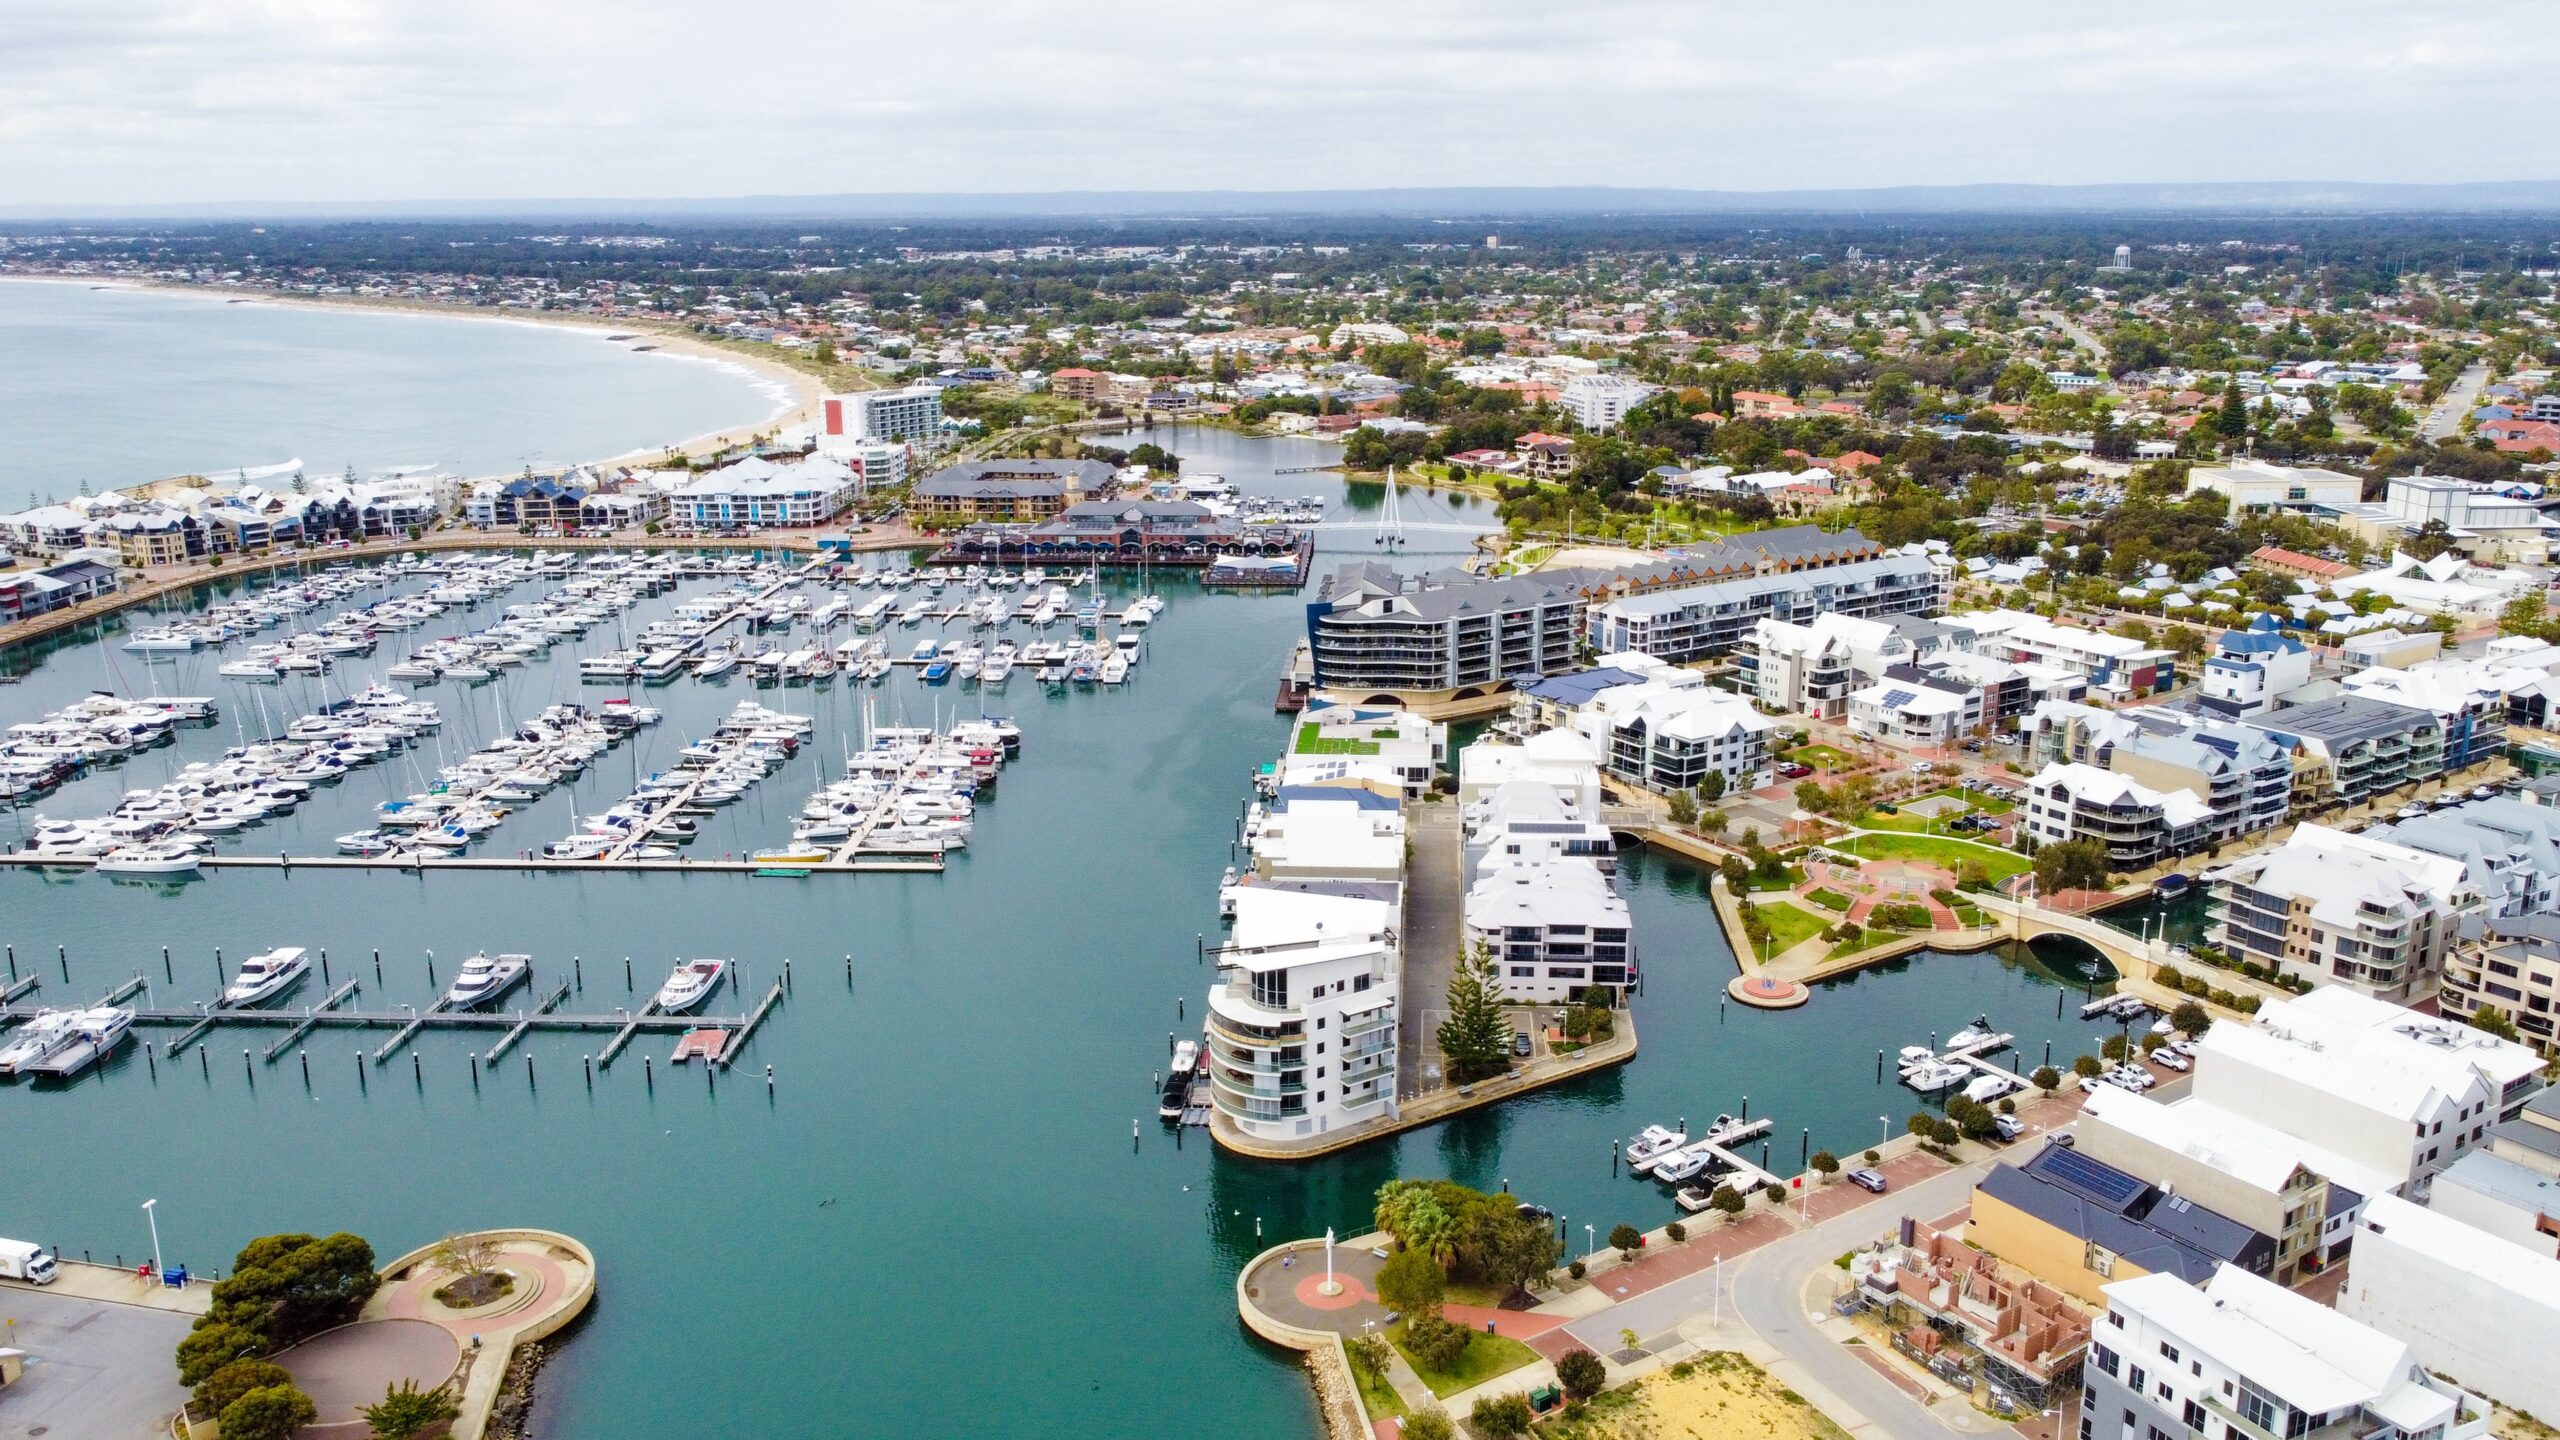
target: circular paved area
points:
(349, 1368)
(1767, 992)
(1288, 1292)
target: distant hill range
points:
(1452, 203)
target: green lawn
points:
(1485, 1357)
(1790, 926)
(1858, 942)
(1376, 1391)
(1820, 757)
(1829, 899)
(1934, 850)
(1312, 741)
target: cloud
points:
(181, 101)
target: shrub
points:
(235, 1380)
(406, 1410)
(1577, 1269)
(1500, 1416)
(1776, 1192)
(1825, 1163)
(271, 1412)
(1434, 1343)
(1429, 1425)
(2088, 1065)
(1626, 1239)
(1873, 1158)
(2191, 1019)
(1675, 1232)
(2046, 1078)
(1581, 1373)
(2170, 976)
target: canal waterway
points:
(936, 1222)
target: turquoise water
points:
(937, 1223)
(122, 386)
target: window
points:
(2106, 1358)
(2137, 1378)
(2257, 1409)
(2168, 1352)
(2195, 1417)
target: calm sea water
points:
(119, 386)
(937, 1223)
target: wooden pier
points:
(738, 1039)
(623, 1036)
(391, 1046)
(525, 1021)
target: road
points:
(2446, 419)
(2080, 336)
(1772, 1291)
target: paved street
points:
(2460, 400)
(96, 1369)
(1434, 920)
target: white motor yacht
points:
(690, 985)
(264, 977)
(484, 978)
(1930, 1077)
(1652, 1141)
(49, 1031)
(160, 857)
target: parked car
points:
(1868, 1180)
(2169, 1059)
(2008, 1127)
(1520, 1042)
(1793, 770)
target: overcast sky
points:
(139, 102)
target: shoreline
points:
(798, 405)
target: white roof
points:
(2370, 1053)
(1543, 894)
(1914, 699)
(2337, 872)
(2300, 1350)
(2258, 1160)
(1278, 928)
(2465, 1249)
(2106, 787)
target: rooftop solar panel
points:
(2100, 1182)
(1894, 699)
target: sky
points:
(142, 102)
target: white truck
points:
(22, 1261)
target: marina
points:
(966, 982)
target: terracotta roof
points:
(2308, 565)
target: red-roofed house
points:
(1855, 462)
(2297, 564)
(2518, 436)
(1841, 407)
(1545, 456)
(1077, 383)
(1761, 405)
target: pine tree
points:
(1476, 1038)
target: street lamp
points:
(1590, 1246)
(1884, 1130)
(150, 1212)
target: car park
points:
(1520, 1044)
(1868, 1180)
(2169, 1059)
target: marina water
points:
(937, 1223)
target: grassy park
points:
(1485, 1357)
(1934, 850)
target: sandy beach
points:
(798, 392)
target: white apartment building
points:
(1302, 1026)
(2507, 965)
(1599, 402)
(1668, 737)
(1564, 761)
(2468, 1303)
(2348, 910)
(1811, 668)
(1329, 832)
(760, 494)
(2249, 669)
(2116, 667)
(2396, 1093)
(2244, 1358)
(2136, 823)
(1555, 929)
(1527, 823)
(2302, 1196)
(913, 414)
(1919, 711)
(1333, 743)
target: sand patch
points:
(1722, 1396)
